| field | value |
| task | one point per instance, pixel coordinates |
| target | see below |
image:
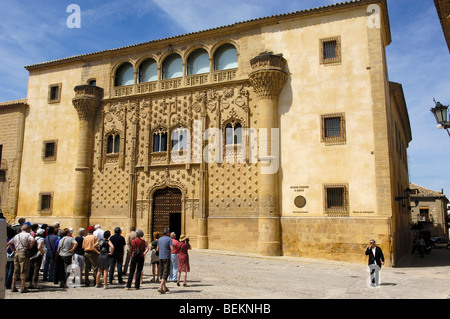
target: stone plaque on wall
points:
(299, 199)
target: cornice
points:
(181, 90)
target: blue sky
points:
(418, 58)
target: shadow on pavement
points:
(439, 257)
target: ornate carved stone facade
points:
(123, 183)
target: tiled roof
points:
(14, 102)
(424, 192)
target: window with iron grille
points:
(336, 200)
(49, 150)
(333, 129)
(45, 204)
(332, 126)
(330, 50)
(54, 93)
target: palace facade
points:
(278, 136)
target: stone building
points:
(443, 11)
(429, 209)
(278, 136)
(12, 120)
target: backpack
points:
(104, 246)
(137, 252)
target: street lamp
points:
(407, 195)
(440, 114)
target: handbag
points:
(30, 252)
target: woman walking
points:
(183, 259)
(106, 249)
(139, 250)
(154, 260)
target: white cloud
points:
(196, 15)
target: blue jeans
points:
(173, 267)
(112, 261)
(9, 274)
(136, 265)
(49, 266)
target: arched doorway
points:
(166, 210)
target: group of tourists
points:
(57, 254)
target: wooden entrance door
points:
(167, 210)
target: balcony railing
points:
(200, 79)
(227, 75)
(146, 87)
(172, 84)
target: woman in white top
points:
(66, 248)
(36, 260)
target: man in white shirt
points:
(376, 259)
(98, 232)
(21, 242)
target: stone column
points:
(86, 102)
(202, 233)
(268, 78)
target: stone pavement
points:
(227, 275)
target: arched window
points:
(113, 144)
(125, 74)
(225, 57)
(233, 133)
(92, 82)
(172, 67)
(160, 141)
(198, 62)
(148, 71)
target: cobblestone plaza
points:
(225, 275)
